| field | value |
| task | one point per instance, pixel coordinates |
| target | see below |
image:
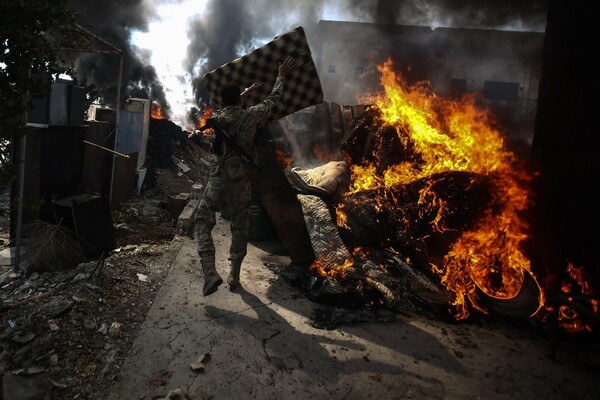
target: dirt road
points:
(261, 342)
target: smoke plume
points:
(231, 28)
(114, 21)
(228, 29)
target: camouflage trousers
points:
(234, 197)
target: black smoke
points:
(114, 21)
(526, 15)
(230, 28)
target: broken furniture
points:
(89, 216)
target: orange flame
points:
(156, 111)
(206, 114)
(454, 135)
(568, 317)
(284, 159)
(331, 268)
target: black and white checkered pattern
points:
(302, 87)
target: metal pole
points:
(104, 148)
(114, 158)
(21, 191)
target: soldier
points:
(230, 177)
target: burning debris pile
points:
(432, 183)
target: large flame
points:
(456, 135)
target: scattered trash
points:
(80, 358)
(53, 325)
(82, 276)
(108, 362)
(28, 371)
(91, 286)
(54, 360)
(103, 328)
(33, 370)
(200, 363)
(88, 324)
(57, 384)
(182, 166)
(23, 338)
(115, 329)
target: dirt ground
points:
(65, 328)
(269, 340)
(66, 331)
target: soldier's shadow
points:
(285, 348)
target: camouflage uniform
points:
(221, 191)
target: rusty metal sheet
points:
(303, 87)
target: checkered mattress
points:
(302, 88)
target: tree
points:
(32, 34)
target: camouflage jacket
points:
(242, 122)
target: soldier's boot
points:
(234, 274)
(212, 279)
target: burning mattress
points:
(303, 87)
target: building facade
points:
(504, 67)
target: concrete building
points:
(503, 66)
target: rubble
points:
(66, 329)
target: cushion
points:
(302, 88)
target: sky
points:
(167, 41)
(170, 44)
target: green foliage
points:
(32, 34)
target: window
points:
(331, 69)
(493, 90)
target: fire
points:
(156, 111)
(284, 159)
(577, 285)
(455, 135)
(322, 266)
(332, 267)
(206, 114)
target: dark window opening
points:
(501, 90)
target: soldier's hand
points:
(287, 66)
(252, 87)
